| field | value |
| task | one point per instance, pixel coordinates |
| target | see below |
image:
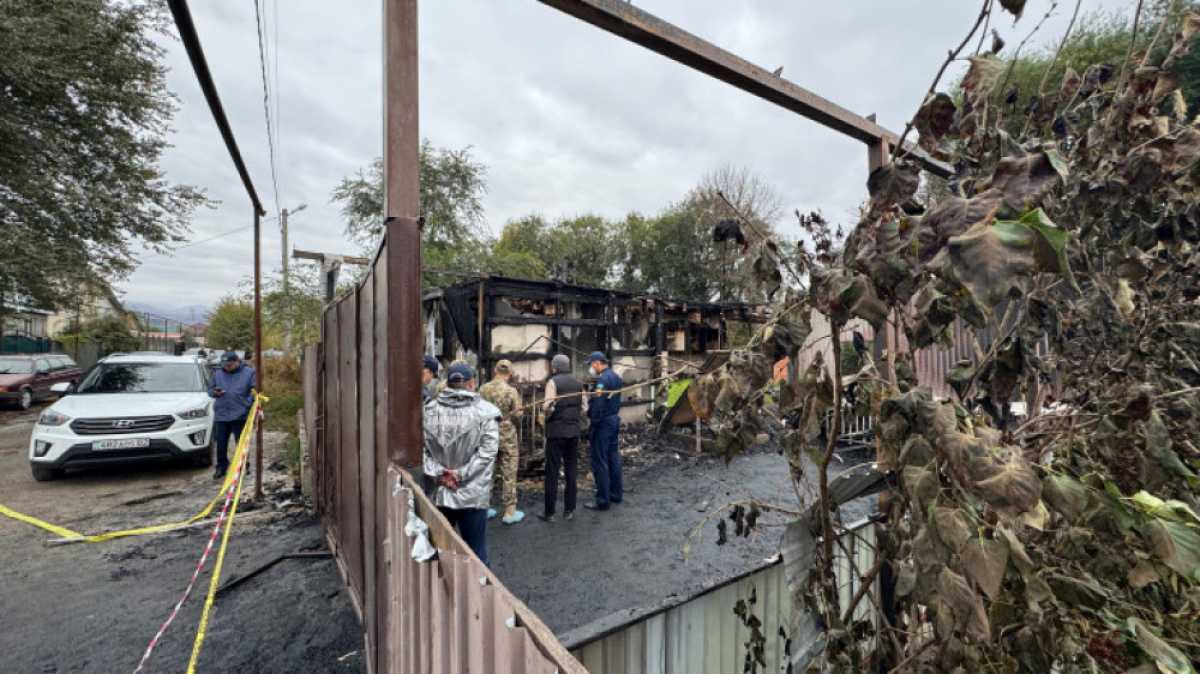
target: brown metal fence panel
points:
(332, 383)
(349, 510)
(446, 615)
(451, 614)
(311, 368)
(366, 450)
(379, 420)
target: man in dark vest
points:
(564, 408)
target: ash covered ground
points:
(95, 607)
(632, 557)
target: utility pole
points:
(283, 226)
(331, 264)
(283, 232)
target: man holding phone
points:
(233, 388)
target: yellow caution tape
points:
(66, 534)
(216, 576)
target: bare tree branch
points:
(1137, 17)
(984, 12)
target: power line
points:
(213, 238)
(262, 63)
(275, 85)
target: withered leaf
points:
(921, 485)
(854, 295)
(953, 216)
(1178, 546)
(982, 76)
(997, 42)
(893, 183)
(969, 614)
(1014, 488)
(951, 526)
(1066, 495)
(1017, 551)
(1025, 180)
(984, 562)
(1170, 660)
(935, 119)
(1014, 7)
(988, 260)
(1142, 575)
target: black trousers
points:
(222, 431)
(561, 453)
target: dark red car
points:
(25, 379)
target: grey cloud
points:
(567, 118)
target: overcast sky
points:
(568, 119)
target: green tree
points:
(112, 333)
(583, 250)
(452, 188)
(294, 316)
(675, 253)
(84, 113)
(1034, 81)
(231, 325)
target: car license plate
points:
(125, 443)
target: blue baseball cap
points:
(430, 363)
(596, 356)
(459, 372)
(229, 357)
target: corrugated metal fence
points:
(703, 635)
(413, 614)
(930, 364)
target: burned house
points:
(489, 318)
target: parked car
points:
(26, 379)
(127, 408)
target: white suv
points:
(126, 408)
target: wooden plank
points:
(366, 459)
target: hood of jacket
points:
(457, 397)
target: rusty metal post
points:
(878, 154)
(258, 357)
(401, 141)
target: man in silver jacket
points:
(462, 437)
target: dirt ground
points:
(631, 557)
(95, 607)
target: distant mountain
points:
(192, 313)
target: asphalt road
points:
(95, 607)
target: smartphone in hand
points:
(218, 392)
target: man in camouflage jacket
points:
(501, 393)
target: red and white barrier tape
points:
(212, 539)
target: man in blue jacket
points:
(232, 386)
(604, 407)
